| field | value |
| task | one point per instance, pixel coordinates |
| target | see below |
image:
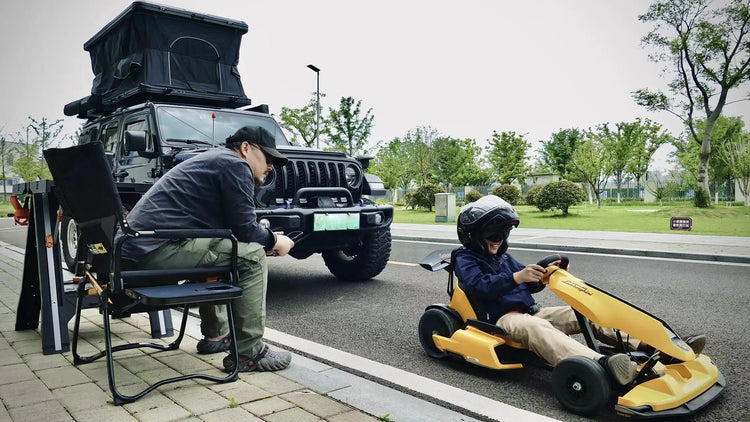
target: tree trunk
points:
(744, 184)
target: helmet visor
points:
(497, 236)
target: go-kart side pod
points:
(683, 389)
(441, 334)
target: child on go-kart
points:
(500, 289)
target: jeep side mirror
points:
(135, 141)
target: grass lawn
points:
(639, 217)
(5, 207)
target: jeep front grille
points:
(298, 174)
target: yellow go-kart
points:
(681, 387)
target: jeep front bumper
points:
(320, 229)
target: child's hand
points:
(531, 274)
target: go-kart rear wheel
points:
(581, 385)
(436, 321)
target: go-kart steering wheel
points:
(549, 259)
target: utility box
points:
(445, 207)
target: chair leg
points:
(78, 359)
(119, 398)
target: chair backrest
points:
(86, 190)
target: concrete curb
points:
(593, 249)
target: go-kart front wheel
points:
(436, 321)
(581, 385)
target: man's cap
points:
(260, 137)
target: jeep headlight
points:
(353, 175)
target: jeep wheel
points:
(363, 261)
(72, 248)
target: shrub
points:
(560, 195)
(472, 196)
(532, 196)
(508, 192)
(701, 199)
(424, 196)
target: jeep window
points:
(212, 127)
(109, 138)
(87, 135)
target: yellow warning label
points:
(97, 248)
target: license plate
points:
(325, 222)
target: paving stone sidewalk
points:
(43, 388)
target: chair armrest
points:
(187, 233)
(118, 284)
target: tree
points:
(561, 195)
(30, 164)
(509, 193)
(423, 196)
(506, 153)
(687, 153)
(557, 153)
(589, 164)
(472, 195)
(455, 161)
(646, 140)
(390, 166)
(736, 153)
(347, 130)
(420, 155)
(619, 151)
(302, 122)
(532, 196)
(7, 157)
(708, 51)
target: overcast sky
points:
(465, 68)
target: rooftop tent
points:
(159, 53)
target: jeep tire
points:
(362, 261)
(73, 249)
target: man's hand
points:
(531, 274)
(282, 246)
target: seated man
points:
(501, 288)
(215, 190)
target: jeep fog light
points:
(373, 218)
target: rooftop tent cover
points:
(151, 51)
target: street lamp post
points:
(317, 104)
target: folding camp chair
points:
(86, 189)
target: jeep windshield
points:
(181, 126)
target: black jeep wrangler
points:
(166, 88)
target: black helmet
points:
(489, 217)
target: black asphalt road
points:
(378, 319)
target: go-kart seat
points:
(86, 190)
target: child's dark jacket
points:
(488, 281)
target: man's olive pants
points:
(546, 333)
(249, 310)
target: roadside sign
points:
(681, 223)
